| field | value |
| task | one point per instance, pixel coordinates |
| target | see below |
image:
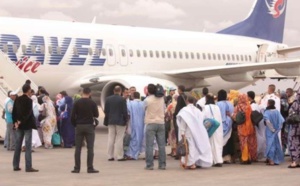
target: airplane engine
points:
(140, 82)
(289, 71)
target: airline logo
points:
(33, 52)
(276, 7)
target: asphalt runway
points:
(55, 167)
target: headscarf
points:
(58, 98)
(49, 105)
(296, 104)
(243, 105)
(233, 96)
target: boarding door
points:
(110, 55)
(262, 53)
(123, 55)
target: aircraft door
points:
(262, 53)
(123, 54)
(110, 55)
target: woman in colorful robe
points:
(294, 134)
(246, 131)
(49, 122)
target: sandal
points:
(293, 167)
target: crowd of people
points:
(245, 131)
(226, 128)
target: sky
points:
(194, 15)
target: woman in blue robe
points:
(66, 128)
(274, 121)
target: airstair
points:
(11, 78)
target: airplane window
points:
(233, 57)
(242, 58)
(163, 54)
(224, 57)
(192, 55)
(123, 53)
(15, 48)
(130, 53)
(169, 54)
(219, 56)
(103, 52)
(58, 50)
(42, 49)
(24, 49)
(145, 53)
(138, 53)
(204, 56)
(214, 56)
(5, 48)
(198, 55)
(174, 55)
(98, 51)
(237, 57)
(90, 51)
(246, 58)
(209, 56)
(186, 55)
(180, 55)
(151, 53)
(111, 52)
(157, 54)
(250, 58)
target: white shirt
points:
(202, 102)
(264, 101)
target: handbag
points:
(211, 124)
(256, 117)
(126, 141)
(240, 118)
(56, 140)
(182, 148)
(294, 118)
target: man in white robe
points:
(190, 124)
(201, 103)
(216, 140)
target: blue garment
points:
(66, 129)
(8, 115)
(226, 106)
(274, 150)
(137, 115)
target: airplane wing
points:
(288, 50)
(206, 72)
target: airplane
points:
(70, 55)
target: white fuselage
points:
(72, 52)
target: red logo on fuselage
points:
(26, 65)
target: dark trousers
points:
(87, 132)
(176, 129)
(17, 155)
(167, 129)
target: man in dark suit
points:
(181, 102)
(116, 116)
(24, 122)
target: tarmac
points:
(55, 167)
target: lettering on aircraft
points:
(34, 53)
(276, 7)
